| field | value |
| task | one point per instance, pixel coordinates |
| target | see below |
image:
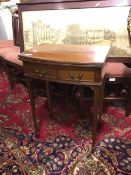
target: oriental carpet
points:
(63, 144)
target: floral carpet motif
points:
(115, 153)
(63, 145)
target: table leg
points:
(127, 110)
(9, 74)
(101, 99)
(32, 102)
(82, 113)
(66, 94)
(97, 92)
(49, 97)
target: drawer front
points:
(75, 75)
(61, 73)
(39, 70)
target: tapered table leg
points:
(9, 75)
(49, 97)
(97, 92)
(82, 113)
(128, 107)
(32, 102)
(66, 94)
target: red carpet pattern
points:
(63, 146)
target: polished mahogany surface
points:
(71, 54)
(68, 64)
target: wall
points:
(5, 24)
(6, 19)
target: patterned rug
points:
(63, 146)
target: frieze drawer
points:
(75, 75)
(39, 70)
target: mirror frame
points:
(37, 5)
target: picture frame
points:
(78, 6)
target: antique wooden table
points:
(69, 64)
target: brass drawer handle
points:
(43, 73)
(71, 76)
(39, 73)
(80, 76)
(36, 71)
